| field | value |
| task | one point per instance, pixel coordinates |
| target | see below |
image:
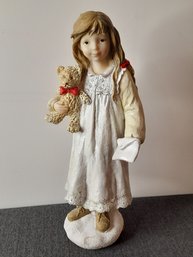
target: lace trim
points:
(121, 202)
(102, 84)
(98, 85)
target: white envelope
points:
(127, 149)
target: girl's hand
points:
(60, 108)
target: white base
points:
(82, 232)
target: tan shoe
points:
(77, 213)
(102, 221)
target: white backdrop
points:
(157, 37)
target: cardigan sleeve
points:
(133, 110)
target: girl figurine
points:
(112, 125)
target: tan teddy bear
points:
(69, 95)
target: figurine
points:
(113, 125)
(69, 96)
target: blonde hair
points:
(97, 22)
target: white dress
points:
(95, 181)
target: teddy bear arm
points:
(84, 97)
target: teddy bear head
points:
(69, 76)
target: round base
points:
(83, 233)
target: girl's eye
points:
(102, 40)
(86, 42)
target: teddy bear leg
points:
(54, 117)
(74, 125)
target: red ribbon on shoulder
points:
(125, 64)
(73, 90)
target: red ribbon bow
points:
(125, 64)
(72, 90)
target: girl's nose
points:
(94, 45)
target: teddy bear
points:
(69, 95)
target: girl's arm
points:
(134, 134)
(133, 110)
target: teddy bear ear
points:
(59, 69)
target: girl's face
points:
(96, 47)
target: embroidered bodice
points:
(99, 84)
